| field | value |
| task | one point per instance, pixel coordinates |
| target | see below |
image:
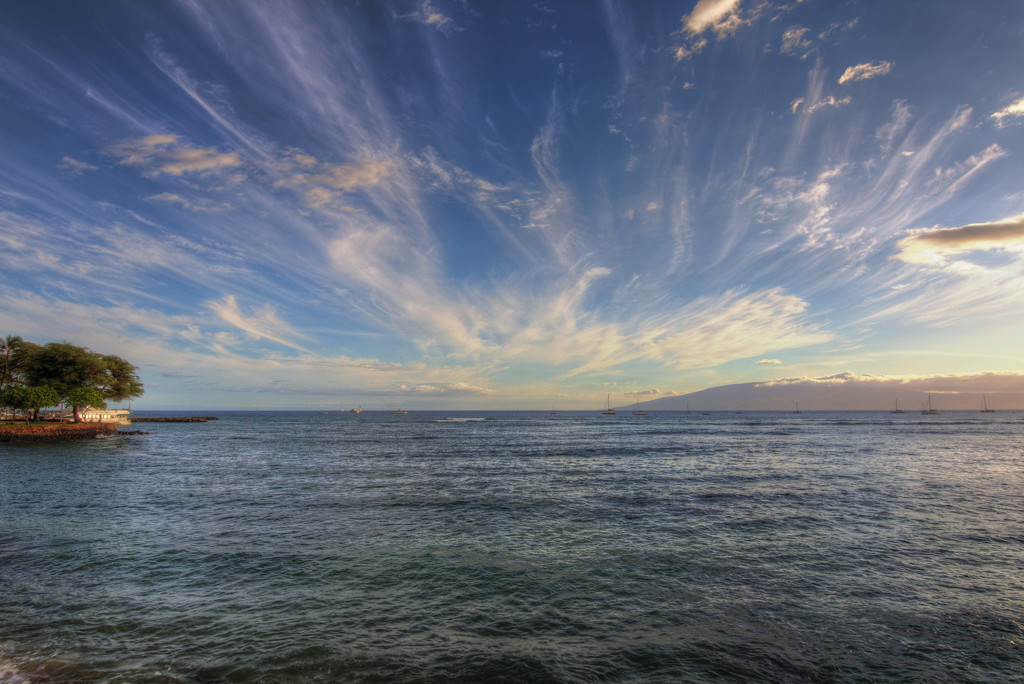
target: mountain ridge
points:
(851, 391)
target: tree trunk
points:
(74, 410)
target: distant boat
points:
(896, 406)
(400, 411)
(929, 411)
(553, 411)
(356, 410)
(688, 411)
(984, 405)
(796, 407)
(637, 411)
(323, 413)
(608, 410)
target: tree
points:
(123, 382)
(7, 347)
(27, 398)
(66, 367)
(84, 396)
(14, 356)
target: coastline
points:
(57, 432)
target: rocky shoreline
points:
(55, 432)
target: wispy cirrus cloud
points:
(429, 15)
(863, 72)
(704, 333)
(263, 323)
(75, 167)
(203, 206)
(368, 169)
(324, 183)
(167, 154)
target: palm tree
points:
(8, 346)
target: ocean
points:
(519, 547)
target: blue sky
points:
(481, 205)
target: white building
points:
(89, 414)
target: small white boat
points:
(637, 411)
(896, 406)
(929, 411)
(608, 410)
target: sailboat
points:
(608, 410)
(637, 411)
(688, 411)
(796, 407)
(896, 406)
(984, 405)
(929, 411)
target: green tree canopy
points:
(14, 355)
(67, 367)
(85, 396)
(28, 398)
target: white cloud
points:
(202, 205)
(75, 167)
(897, 124)
(686, 51)
(722, 16)
(705, 333)
(323, 183)
(829, 101)
(263, 324)
(430, 15)
(937, 246)
(768, 362)
(448, 389)
(157, 154)
(793, 40)
(940, 383)
(953, 178)
(1014, 109)
(863, 72)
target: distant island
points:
(856, 392)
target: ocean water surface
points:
(519, 546)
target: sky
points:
(459, 204)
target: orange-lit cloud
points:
(158, 154)
(936, 246)
(863, 72)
